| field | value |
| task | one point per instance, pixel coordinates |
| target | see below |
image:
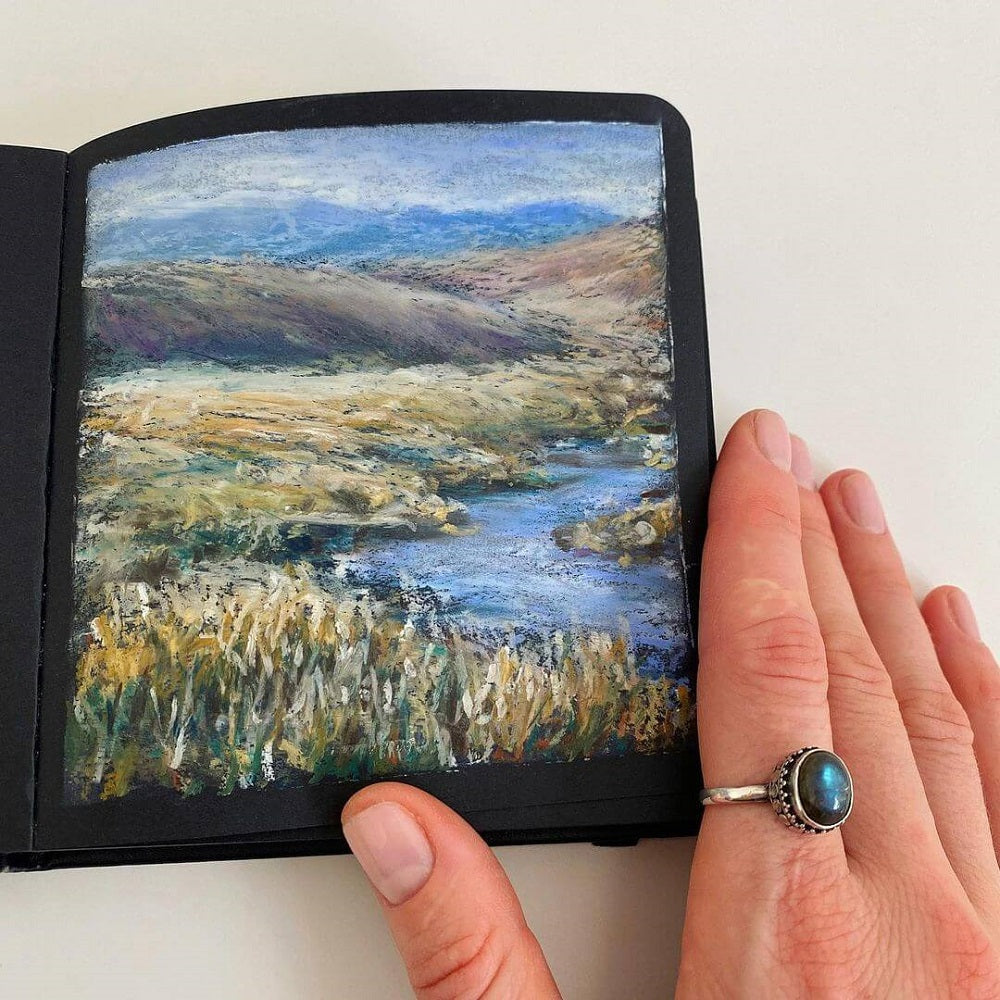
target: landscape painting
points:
(377, 459)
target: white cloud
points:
(616, 167)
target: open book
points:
(348, 438)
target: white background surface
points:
(846, 164)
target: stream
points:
(510, 578)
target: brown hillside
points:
(610, 282)
(253, 312)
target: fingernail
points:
(964, 616)
(392, 848)
(802, 466)
(773, 439)
(862, 503)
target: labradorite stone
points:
(824, 788)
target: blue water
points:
(511, 579)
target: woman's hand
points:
(809, 635)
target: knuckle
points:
(853, 663)
(987, 697)
(465, 967)
(974, 677)
(885, 580)
(782, 654)
(933, 714)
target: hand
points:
(809, 635)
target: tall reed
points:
(283, 681)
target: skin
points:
(809, 635)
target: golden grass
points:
(376, 449)
(281, 681)
(202, 665)
(208, 464)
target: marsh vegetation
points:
(229, 633)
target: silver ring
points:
(811, 790)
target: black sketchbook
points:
(348, 438)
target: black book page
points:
(31, 201)
(383, 438)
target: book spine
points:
(32, 191)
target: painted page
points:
(376, 460)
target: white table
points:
(846, 160)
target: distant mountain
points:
(316, 231)
(254, 312)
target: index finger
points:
(762, 677)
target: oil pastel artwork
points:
(377, 460)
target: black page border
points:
(32, 188)
(604, 799)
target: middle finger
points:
(867, 728)
(938, 728)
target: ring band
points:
(811, 790)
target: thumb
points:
(448, 902)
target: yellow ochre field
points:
(220, 641)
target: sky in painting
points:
(369, 193)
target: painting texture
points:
(376, 459)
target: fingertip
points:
(766, 432)
(772, 438)
(947, 609)
(966, 661)
(757, 445)
(829, 491)
(935, 602)
(392, 847)
(830, 486)
(742, 425)
(450, 907)
(446, 831)
(454, 844)
(850, 497)
(802, 467)
(383, 791)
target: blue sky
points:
(314, 194)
